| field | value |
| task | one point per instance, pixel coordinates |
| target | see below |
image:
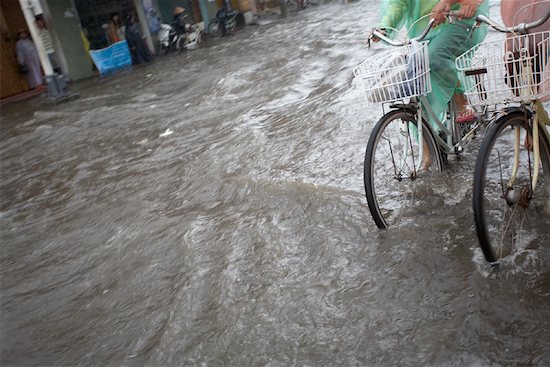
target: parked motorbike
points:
(170, 40)
(300, 4)
(231, 22)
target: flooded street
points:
(208, 209)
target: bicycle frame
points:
(539, 121)
(453, 143)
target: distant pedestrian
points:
(115, 29)
(46, 38)
(28, 60)
(138, 48)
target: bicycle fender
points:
(405, 106)
(510, 110)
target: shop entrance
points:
(95, 15)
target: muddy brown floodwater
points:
(243, 238)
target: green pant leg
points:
(452, 40)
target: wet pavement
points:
(208, 209)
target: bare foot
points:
(426, 164)
(427, 158)
(466, 116)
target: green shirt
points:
(399, 13)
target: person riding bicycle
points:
(447, 42)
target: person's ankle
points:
(425, 165)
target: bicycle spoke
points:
(391, 184)
(508, 214)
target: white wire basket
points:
(404, 74)
(513, 69)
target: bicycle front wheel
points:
(509, 215)
(394, 184)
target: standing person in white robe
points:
(27, 58)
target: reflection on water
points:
(243, 238)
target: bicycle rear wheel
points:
(508, 215)
(393, 183)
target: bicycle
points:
(402, 138)
(402, 151)
(511, 189)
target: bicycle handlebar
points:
(521, 28)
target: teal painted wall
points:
(208, 10)
(67, 32)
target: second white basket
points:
(512, 69)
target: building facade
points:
(78, 26)
(11, 20)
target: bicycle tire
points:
(500, 213)
(381, 196)
(214, 28)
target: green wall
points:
(67, 32)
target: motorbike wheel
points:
(231, 26)
(200, 36)
(160, 49)
(214, 28)
(182, 42)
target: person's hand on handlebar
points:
(468, 8)
(375, 39)
(439, 11)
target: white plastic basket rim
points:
(403, 74)
(512, 69)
